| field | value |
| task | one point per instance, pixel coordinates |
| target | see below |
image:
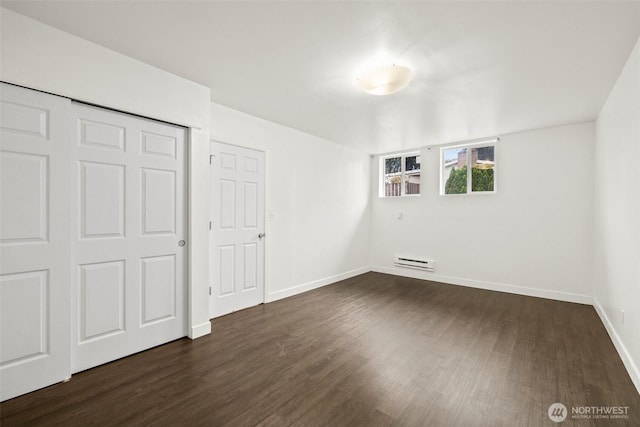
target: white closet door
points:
(237, 243)
(129, 257)
(34, 240)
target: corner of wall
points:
(200, 330)
(622, 350)
(616, 209)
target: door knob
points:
(181, 243)
(261, 235)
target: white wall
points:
(41, 57)
(319, 194)
(533, 237)
(617, 215)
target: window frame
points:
(402, 174)
(470, 146)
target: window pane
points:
(393, 177)
(392, 165)
(482, 168)
(412, 183)
(412, 163)
(412, 175)
(455, 171)
(392, 186)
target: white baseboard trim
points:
(200, 330)
(628, 362)
(491, 286)
(298, 289)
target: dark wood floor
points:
(375, 350)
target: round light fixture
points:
(385, 79)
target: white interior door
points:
(34, 240)
(129, 258)
(237, 243)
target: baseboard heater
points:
(417, 263)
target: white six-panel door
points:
(237, 243)
(129, 269)
(34, 240)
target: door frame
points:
(267, 228)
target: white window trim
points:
(402, 174)
(469, 146)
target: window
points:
(400, 175)
(468, 168)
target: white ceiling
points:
(481, 68)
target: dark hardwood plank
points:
(374, 350)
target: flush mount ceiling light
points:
(385, 79)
